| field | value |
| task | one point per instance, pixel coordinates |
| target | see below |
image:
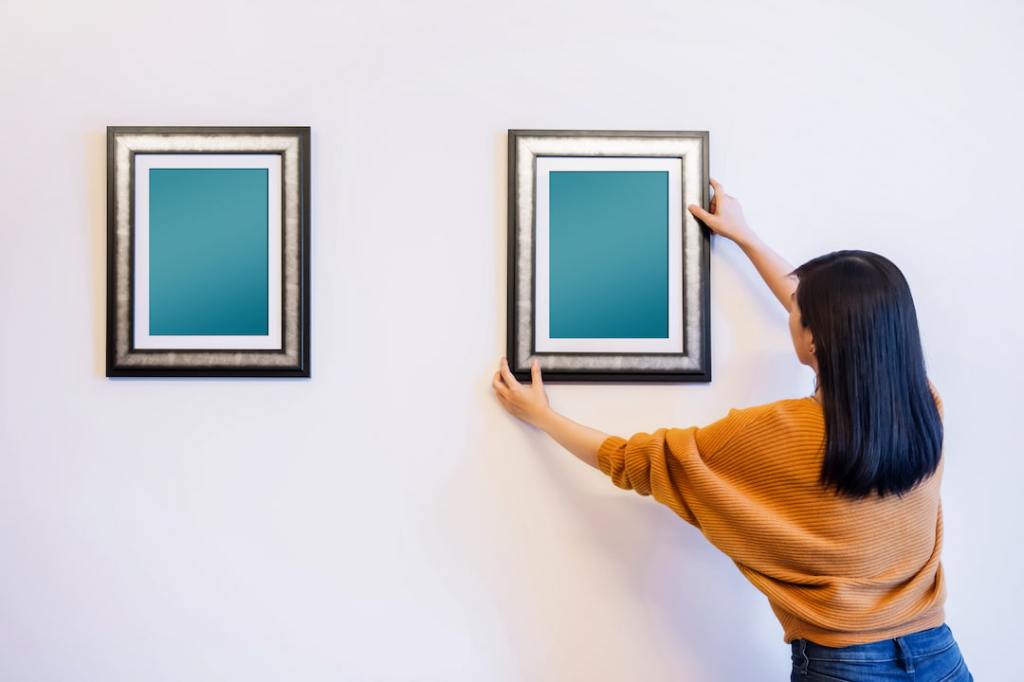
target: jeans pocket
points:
(945, 665)
(959, 673)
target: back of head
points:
(883, 429)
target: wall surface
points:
(385, 520)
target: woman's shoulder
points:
(803, 413)
(805, 405)
(782, 407)
(762, 422)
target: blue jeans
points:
(925, 656)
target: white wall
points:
(386, 520)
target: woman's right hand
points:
(726, 216)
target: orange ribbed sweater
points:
(836, 571)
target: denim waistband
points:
(917, 644)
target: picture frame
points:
(608, 272)
(208, 251)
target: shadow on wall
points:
(528, 526)
(96, 177)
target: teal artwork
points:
(608, 234)
(208, 250)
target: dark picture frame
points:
(281, 348)
(687, 358)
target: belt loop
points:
(908, 658)
(803, 655)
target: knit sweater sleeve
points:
(672, 464)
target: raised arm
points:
(530, 403)
(727, 220)
(667, 464)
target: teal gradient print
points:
(208, 247)
(608, 254)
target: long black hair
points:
(883, 431)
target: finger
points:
(535, 373)
(717, 186)
(700, 214)
(499, 388)
(506, 374)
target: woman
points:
(828, 504)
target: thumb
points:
(700, 214)
(535, 372)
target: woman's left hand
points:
(529, 403)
